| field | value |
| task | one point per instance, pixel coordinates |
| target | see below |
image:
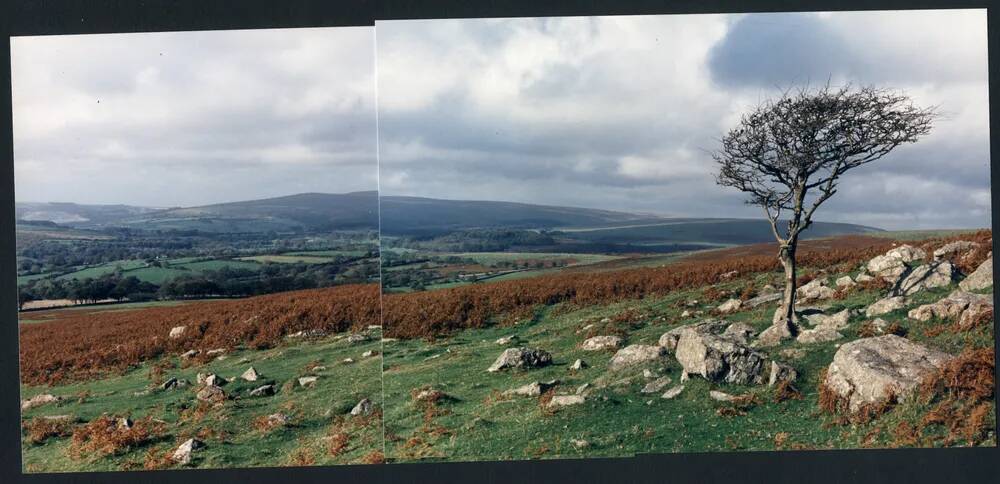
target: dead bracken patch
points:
(785, 390)
(40, 429)
(373, 457)
(105, 435)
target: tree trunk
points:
(787, 258)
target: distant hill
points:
(306, 211)
(424, 217)
(430, 216)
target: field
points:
(107, 362)
(441, 342)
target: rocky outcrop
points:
(719, 357)
(870, 370)
(819, 334)
(781, 372)
(38, 401)
(521, 358)
(814, 290)
(980, 279)
(364, 407)
(950, 307)
(836, 321)
(954, 247)
(935, 274)
(730, 306)
(669, 339)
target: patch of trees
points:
(482, 240)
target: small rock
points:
(886, 305)
(39, 400)
(845, 281)
(215, 380)
(211, 393)
(348, 361)
(578, 365)
(368, 354)
(505, 340)
(953, 247)
(169, 384)
(521, 358)
(308, 381)
(656, 385)
(182, 455)
(730, 306)
(532, 389)
(582, 389)
(579, 443)
(215, 352)
(263, 391)
(124, 423)
(598, 343)
(781, 372)
(190, 354)
(364, 407)
(250, 374)
(177, 332)
(673, 392)
(721, 396)
(277, 420)
(565, 400)
(357, 338)
(637, 354)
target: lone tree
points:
(788, 155)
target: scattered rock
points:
(216, 352)
(886, 305)
(357, 338)
(505, 340)
(177, 332)
(579, 443)
(39, 400)
(820, 334)
(656, 385)
(348, 361)
(686, 314)
(669, 339)
(781, 372)
(189, 354)
(953, 247)
(211, 393)
(532, 389)
(182, 455)
(935, 274)
(215, 380)
(598, 343)
(974, 315)
(835, 321)
(364, 407)
(814, 290)
(277, 420)
(633, 355)
(907, 253)
(981, 278)
(845, 281)
(762, 299)
(521, 358)
(578, 365)
(864, 278)
(369, 354)
(719, 357)
(200, 378)
(730, 306)
(673, 392)
(565, 400)
(263, 391)
(793, 353)
(774, 334)
(250, 375)
(308, 381)
(721, 396)
(429, 394)
(868, 370)
(741, 331)
(169, 384)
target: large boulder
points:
(934, 274)
(907, 253)
(981, 278)
(719, 357)
(633, 355)
(776, 333)
(886, 305)
(598, 343)
(950, 307)
(836, 321)
(521, 358)
(869, 370)
(953, 247)
(182, 454)
(887, 267)
(762, 299)
(211, 393)
(819, 334)
(39, 400)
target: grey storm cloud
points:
(190, 118)
(622, 112)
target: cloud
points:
(189, 118)
(622, 112)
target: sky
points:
(193, 118)
(622, 112)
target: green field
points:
(475, 422)
(229, 431)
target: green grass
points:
(233, 441)
(616, 421)
(217, 264)
(288, 259)
(108, 268)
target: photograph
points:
(197, 249)
(623, 235)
